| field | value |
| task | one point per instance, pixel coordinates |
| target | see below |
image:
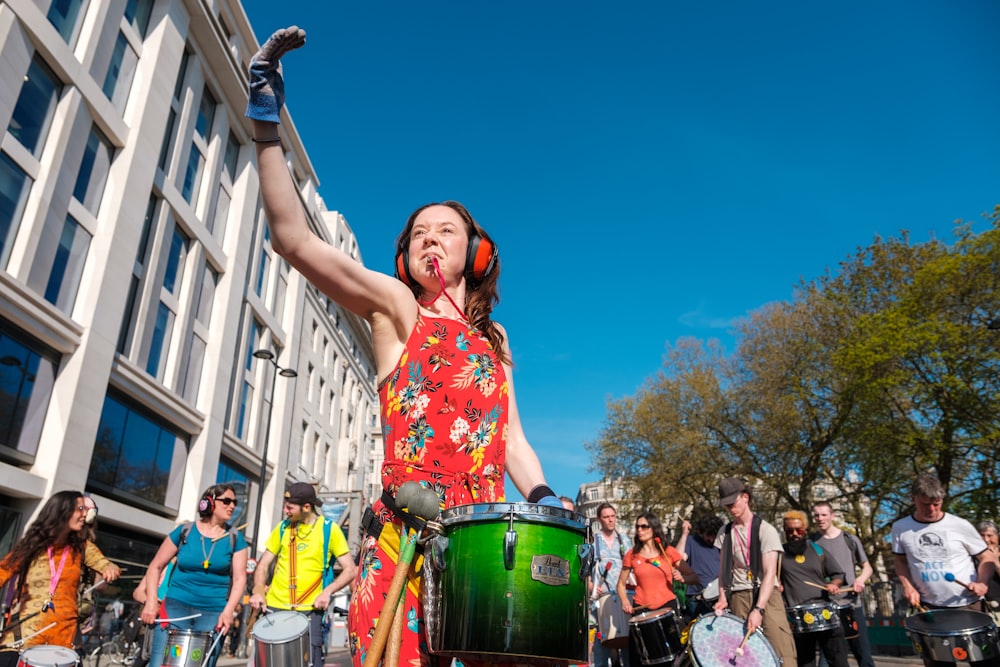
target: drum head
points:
(947, 622)
(280, 626)
(711, 591)
(526, 512)
(46, 655)
(641, 618)
(713, 641)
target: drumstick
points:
(395, 639)
(179, 618)
(948, 576)
(739, 649)
(218, 636)
(422, 503)
(96, 584)
(20, 642)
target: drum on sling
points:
(612, 621)
(657, 636)
(813, 617)
(507, 582)
(281, 639)
(186, 648)
(953, 635)
(711, 591)
(47, 655)
(713, 640)
(845, 609)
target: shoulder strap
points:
(184, 533)
(817, 547)
(281, 532)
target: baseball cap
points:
(301, 493)
(730, 489)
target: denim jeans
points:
(204, 622)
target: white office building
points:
(137, 281)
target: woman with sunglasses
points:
(209, 576)
(656, 566)
(48, 561)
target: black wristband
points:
(539, 492)
(760, 609)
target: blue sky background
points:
(650, 170)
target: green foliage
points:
(870, 375)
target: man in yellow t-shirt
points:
(295, 547)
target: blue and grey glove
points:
(267, 88)
(550, 501)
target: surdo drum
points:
(46, 655)
(954, 635)
(507, 582)
(713, 640)
(281, 639)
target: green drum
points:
(507, 582)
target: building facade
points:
(137, 281)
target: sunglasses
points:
(228, 501)
(640, 526)
(796, 531)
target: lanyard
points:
(55, 575)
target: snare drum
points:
(953, 635)
(813, 617)
(713, 640)
(657, 635)
(845, 609)
(186, 648)
(507, 583)
(46, 655)
(281, 639)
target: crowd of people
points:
(803, 592)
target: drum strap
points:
(414, 522)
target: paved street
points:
(342, 658)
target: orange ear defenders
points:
(480, 258)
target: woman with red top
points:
(655, 566)
(449, 416)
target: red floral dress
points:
(444, 423)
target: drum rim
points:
(527, 512)
(651, 613)
(987, 622)
(68, 651)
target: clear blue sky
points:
(650, 170)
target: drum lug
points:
(439, 545)
(586, 560)
(509, 547)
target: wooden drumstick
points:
(395, 638)
(739, 649)
(424, 504)
(950, 577)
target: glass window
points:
(192, 372)
(63, 15)
(217, 223)
(121, 70)
(175, 260)
(128, 327)
(181, 74)
(67, 267)
(27, 374)
(94, 170)
(203, 311)
(158, 343)
(192, 175)
(35, 105)
(137, 455)
(14, 185)
(232, 156)
(246, 394)
(137, 12)
(206, 113)
(240, 480)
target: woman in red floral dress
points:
(449, 416)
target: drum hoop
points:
(523, 512)
(68, 652)
(644, 616)
(987, 625)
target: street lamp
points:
(267, 355)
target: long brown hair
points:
(480, 296)
(45, 530)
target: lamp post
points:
(267, 355)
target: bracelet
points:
(760, 609)
(265, 141)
